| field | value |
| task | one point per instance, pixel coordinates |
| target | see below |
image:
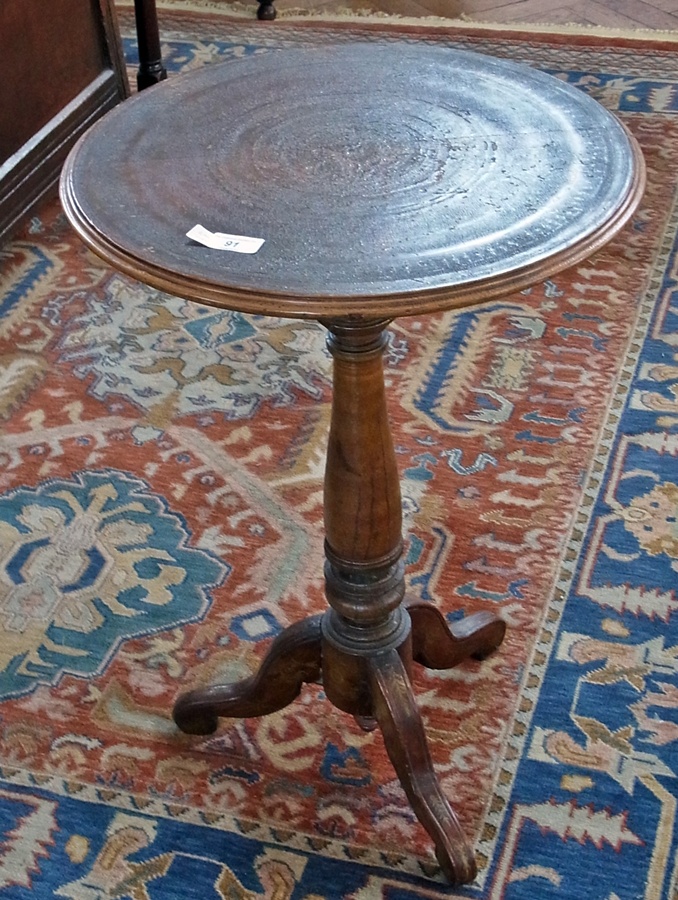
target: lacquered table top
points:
(383, 179)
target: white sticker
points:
(218, 241)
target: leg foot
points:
(437, 645)
(366, 723)
(266, 11)
(405, 741)
(294, 658)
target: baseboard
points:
(375, 13)
(32, 173)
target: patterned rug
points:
(160, 511)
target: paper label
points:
(216, 240)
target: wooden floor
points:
(632, 14)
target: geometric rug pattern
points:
(161, 521)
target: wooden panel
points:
(51, 50)
(62, 67)
(32, 172)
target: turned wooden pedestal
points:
(363, 647)
(385, 180)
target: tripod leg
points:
(403, 731)
(293, 658)
(437, 645)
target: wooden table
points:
(386, 179)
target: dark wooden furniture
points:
(386, 180)
(62, 67)
(151, 69)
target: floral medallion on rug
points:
(161, 521)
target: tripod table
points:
(384, 179)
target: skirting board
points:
(32, 173)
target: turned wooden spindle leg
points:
(151, 68)
(364, 579)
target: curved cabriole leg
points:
(293, 659)
(438, 645)
(400, 722)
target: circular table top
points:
(384, 179)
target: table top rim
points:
(426, 300)
(319, 305)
